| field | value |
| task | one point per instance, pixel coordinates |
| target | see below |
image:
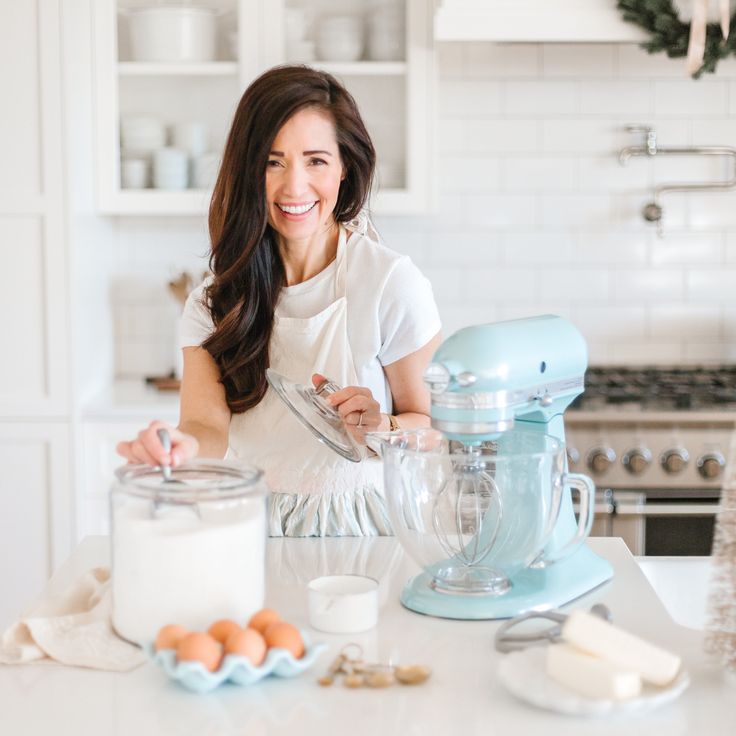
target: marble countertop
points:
(463, 696)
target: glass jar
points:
(187, 551)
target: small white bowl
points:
(343, 604)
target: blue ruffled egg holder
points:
(235, 668)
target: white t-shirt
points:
(391, 311)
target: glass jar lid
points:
(310, 407)
(192, 482)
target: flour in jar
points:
(189, 565)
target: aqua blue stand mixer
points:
(483, 501)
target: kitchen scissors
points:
(506, 641)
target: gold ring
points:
(360, 420)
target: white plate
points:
(523, 675)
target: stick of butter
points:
(590, 676)
(596, 636)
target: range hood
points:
(531, 21)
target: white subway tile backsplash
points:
(728, 324)
(691, 98)
(500, 210)
(465, 249)
(540, 98)
(607, 247)
(634, 62)
(670, 321)
(695, 169)
(712, 209)
(534, 248)
(578, 60)
(604, 173)
(697, 352)
(574, 284)
(451, 134)
(497, 136)
(539, 174)
(469, 98)
(576, 211)
(506, 60)
(687, 248)
(714, 132)
(498, 285)
(730, 248)
(648, 285)
(712, 285)
(471, 173)
(647, 353)
(578, 137)
(611, 323)
(616, 98)
(455, 318)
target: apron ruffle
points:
(355, 513)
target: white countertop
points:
(463, 696)
(134, 400)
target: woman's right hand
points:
(147, 448)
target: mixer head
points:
(484, 378)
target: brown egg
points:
(221, 629)
(170, 635)
(247, 643)
(284, 636)
(199, 647)
(262, 619)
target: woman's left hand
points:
(357, 407)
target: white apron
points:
(315, 491)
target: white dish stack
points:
(172, 160)
(298, 49)
(139, 138)
(387, 32)
(340, 38)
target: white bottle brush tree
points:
(721, 638)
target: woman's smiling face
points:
(303, 176)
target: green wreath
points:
(671, 35)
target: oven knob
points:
(600, 459)
(636, 461)
(711, 465)
(674, 461)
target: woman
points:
(300, 284)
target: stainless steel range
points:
(656, 442)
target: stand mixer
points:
(483, 500)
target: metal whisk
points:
(463, 514)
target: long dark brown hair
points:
(248, 272)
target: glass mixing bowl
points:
(472, 517)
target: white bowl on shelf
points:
(142, 134)
(172, 34)
(340, 38)
(134, 173)
(170, 168)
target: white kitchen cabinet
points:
(534, 21)
(34, 371)
(36, 499)
(118, 414)
(395, 97)
(99, 463)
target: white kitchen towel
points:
(74, 628)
